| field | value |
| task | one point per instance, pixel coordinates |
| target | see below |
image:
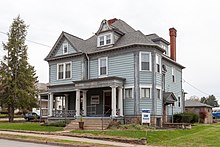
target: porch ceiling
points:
(99, 82)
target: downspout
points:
(88, 67)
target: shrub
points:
(57, 124)
(185, 117)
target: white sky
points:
(197, 23)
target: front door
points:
(107, 100)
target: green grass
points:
(120, 133)
(28, 126)
(199, 135)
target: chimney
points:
(173, 43)
(111, 21)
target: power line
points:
(195, 88)
(30, 41)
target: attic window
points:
(65, 48)
(104, 40)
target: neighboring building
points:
(115, 73)
(200, 109)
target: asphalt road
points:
(10, 143)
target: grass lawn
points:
(199, 135)
(28, 126)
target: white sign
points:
(145, 116)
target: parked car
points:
(31, 116)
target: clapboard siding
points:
(145, 104)
(122, 66)
(93, 65)
(159, 107)
(129, 107)
(145, 77)
(60, 49)
(158, 79)
(76, 72)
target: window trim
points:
(158, 59)
(99, 63)
(64, 70)
(132, 93)
(146, 86)
(150, 62)
(65, 44)
(173, 73)
(105, 39)
(160, 88)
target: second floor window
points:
(103, 66)
(145, 61)
(64, 71)
(158, 94)
(145, 92)
(179, 102)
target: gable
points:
(60, 51)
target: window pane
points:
(145, 57)
(145, 66)
(102, 70)
(67, 72)
(60, 71)
(108, 39)
(101, 40)
(158, 67)
(145, 92)
(102, 62)
(128, 93)
(103, 66)
(158, 93)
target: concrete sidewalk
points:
(78, 139)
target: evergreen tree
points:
(18, 76)
(211, 100)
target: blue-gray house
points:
(115, 73)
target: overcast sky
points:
(197, 23)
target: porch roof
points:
(169, 98)
(99, 82)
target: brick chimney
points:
(173, 43)
(111, 21)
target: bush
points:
(185, 117)
(57, 124)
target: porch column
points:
(77, 102)
(120, 101)
(84, 103)
(50, 112)
(113, 101)
(66, 102)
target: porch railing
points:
(91, 110)
(63, 113)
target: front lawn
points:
(199, 135)
(28, 126)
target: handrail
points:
(104, 115)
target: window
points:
(67, 70)
(65, 48)
(179, 102)
(128, 93)
(103, 66)
(158, 94)
(145, 92)
(101, 40)
(95, 99)
(173, 75)
(64, 71)
(60, 71)
(145, 61)
(158, 62)
(104, 40)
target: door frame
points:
(104, 92)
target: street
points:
(10, 143)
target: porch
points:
(102, 97)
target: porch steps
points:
(89, 124)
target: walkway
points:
(73, 139)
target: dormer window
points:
(104, 40)
(65, 48)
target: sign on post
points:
(145, 116)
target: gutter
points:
(88, 67)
